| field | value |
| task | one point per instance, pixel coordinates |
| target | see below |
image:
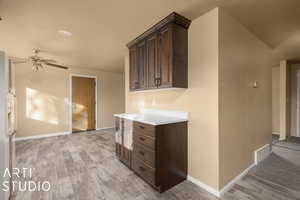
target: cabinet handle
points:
(141, 168)
(142, 139)
(142, 127)
(142, 153)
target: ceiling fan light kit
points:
(36, 66)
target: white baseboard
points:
(261, 153)
(41, 136)
(275, 133)
(204, 186)
(215, 192)
(51, 135)
(233, 181)
(99, 129)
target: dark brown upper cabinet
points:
(152, 66)
(133, 74)
(142, 65)
(159, 57)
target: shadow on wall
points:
(44, 107)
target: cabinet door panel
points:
(164, 72)
(141, 63)
(134, 72)
(152, 61)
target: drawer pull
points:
(141, 168)
(142, 139)
(142, 153)
(142, 127)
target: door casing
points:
(71, 100)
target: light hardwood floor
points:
(83, 166)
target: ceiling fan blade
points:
(16, 60)
(56, 65)
(48, 60)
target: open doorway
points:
(84, 103)
(286, 104)
(295, 100)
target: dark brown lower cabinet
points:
(124, 154)
(160, 154)
(126, 157)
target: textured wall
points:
(43, 99)
(245, 111)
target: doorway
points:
(83, 103)
(286, 99)
(297, 103)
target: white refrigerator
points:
(7, 122)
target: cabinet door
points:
(126, 156)
(164, 72)
(141, 63)
(118, 137)
(152, 61)
(133, 69)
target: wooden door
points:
(83, 104)
(152, 61)
(134, 72)
(142, 64)
(164, 72)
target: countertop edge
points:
(147, 122)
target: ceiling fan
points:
(37, 61)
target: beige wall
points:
(200, 99)
(46, 92)
(275, 100)
(245, 112)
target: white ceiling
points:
(101, 28)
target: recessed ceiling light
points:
(65, 33)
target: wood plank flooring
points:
(292, 143)
(83, 166)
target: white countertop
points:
(155, 117)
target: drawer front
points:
(145, 154)
(146, 172)
(145, 129)
(145, 140)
